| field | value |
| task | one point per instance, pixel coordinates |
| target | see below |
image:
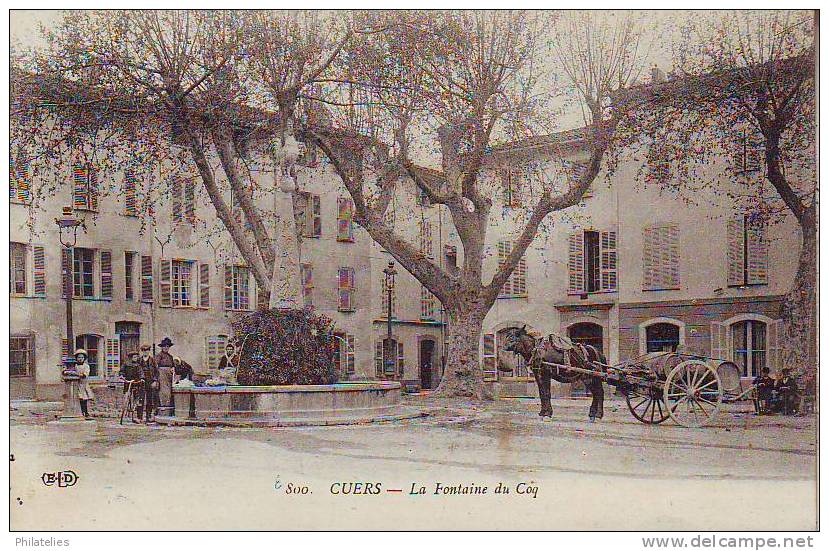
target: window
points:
(592, 262)
(237, 288)
(748, 154)
(344, 353)
(309, 213)
(19, 183)
(129, 275)
(85, 195)
(176, 283)
(662, 337)
(21, 356)
(384, 297)
(516, 284)
(749, 341)
(511, 186)
(345, 289)
(345, 219)
(214, 349)
(17, 269)
(426, 241)
(389, 359)
(83, 271)
(130, 194)
(90, 343)
(587, 333)
(661, 257)
(307, 278)
(427, 304)
(747, 252)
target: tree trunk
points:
(463, 375)
(799, 309)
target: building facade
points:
(631, 269)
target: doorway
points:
(427, 355)
(585, 333)
(129, 333)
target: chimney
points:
(657, 75)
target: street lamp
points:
(68, 229)
(389, 272)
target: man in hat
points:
(166, 367)
(787, 387)
(84, 390)
(131, 372)
(149, 380)
(764, 386)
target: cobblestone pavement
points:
(747, 472)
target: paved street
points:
(747, 473)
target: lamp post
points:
(68, 228)
(389, 272)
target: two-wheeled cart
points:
(687, 388)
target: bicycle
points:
(130, 401)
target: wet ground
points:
(745, 473)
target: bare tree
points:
(449, 86)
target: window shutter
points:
(757, 248)
(489, 358)
(39, 270)
(164, 283)
(204, 285)
(80, 195)
(146, 278)
(64, 350)
(175, 196)
(65, 270)
(317, 216)
(609, 263)
(575, 263)
(378, 358)
(228, 287)
(106, 274)
(113, 356)
(93, 187)
(519, 278)
(307, 277)
(504, 247)
(130, 193)
(345, 287)
(660, 257)
(718, 341)
(736, 251)
(190, 201)
(19, 176)
(301, 209)
(345, 229)
(775, 346)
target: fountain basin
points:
(289, 405)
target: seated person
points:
(787, 388)
(763, 392)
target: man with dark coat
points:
(787, 387)
(166, 367)
(183, 369)
(764, 385)
(149, 378)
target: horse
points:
(518, 341)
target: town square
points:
(413, 270)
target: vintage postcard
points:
(414, 270)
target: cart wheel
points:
(647, 407)
(693, 393)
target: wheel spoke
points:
(659, 403)
(705, 411)
(653, 409)
(636, 407)
(706, 385)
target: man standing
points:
(164, 361)
(228, 364)
(149, 378)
